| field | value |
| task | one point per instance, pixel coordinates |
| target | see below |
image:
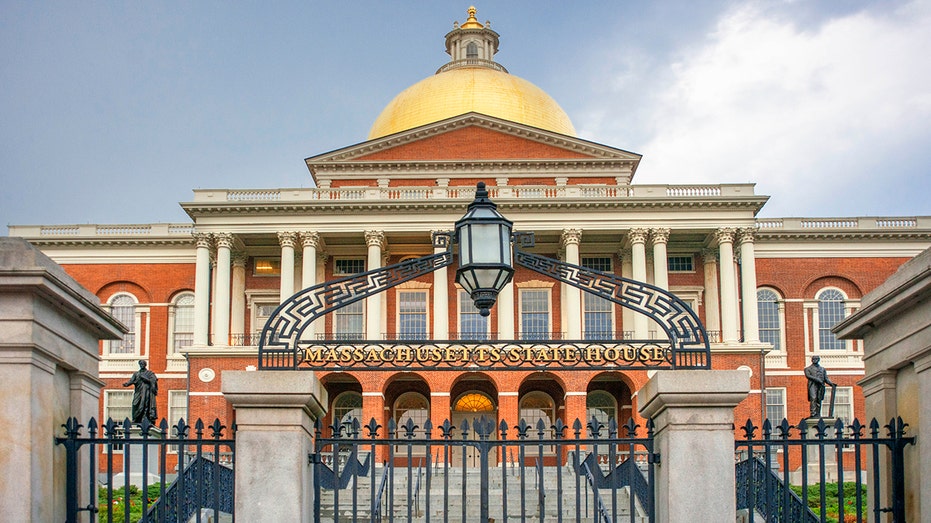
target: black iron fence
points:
(478, 471)
(148, 473)
(835, 469)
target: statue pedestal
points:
(814, 449)
(134, 464)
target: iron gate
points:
(523, 473)
(148, 473)
(816, 455)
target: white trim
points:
(206, 394)
(508, 394)
(440, 394)
(576, 394)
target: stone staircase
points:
(499, 498)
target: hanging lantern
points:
(484, 238)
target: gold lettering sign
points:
(488, 356)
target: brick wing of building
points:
(194, 296)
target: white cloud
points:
(799, 111)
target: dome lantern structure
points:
(472, 81)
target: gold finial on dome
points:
(472, 22)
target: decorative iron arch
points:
(279, 344)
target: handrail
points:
(602, 510)
(382, 487)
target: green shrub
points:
(120, 501)
(830, 494)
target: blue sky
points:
(113, 111)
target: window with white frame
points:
(600, 405)
(767, 302)
(411, 406)
(538, 406)
(261, 312)
(597, 313)
(123, 308)
(118, 405)
(412, 315)
(534, 314)
(843, 404)
(830, 312)
(472, 325)
(775, 405)
(182, 323)
(348, 266)
(349, 322)
(680, 264)
(177, 410)
(347, 407)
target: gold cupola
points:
(471, 82)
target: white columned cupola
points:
(472, 44)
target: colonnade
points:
(730, 303)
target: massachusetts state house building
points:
(194, 296)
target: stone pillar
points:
(712, 313)
(221, 307)
(570, 242)
(375, 240)
(660, 237)
(287, 240)
(311, 243)
(638, 238)
(50, 329)
(440, 297)
(725, 238)
(693, 416)
(751, 323)
(202, 290)
(274, 410)
(238, 297)
(576, 409)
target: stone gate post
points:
(275, 412)
(693, 416)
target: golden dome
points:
(471, 89)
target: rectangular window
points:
(775, 405)
(535, 314)
(349, 322)
(472, 325)
(680, 264)
(266, 266)
(177, 410)
(843, 404)
(412, 315)
(118, 405)
(597, 313)
(348, 266)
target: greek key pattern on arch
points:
(683, 327)
(278, 346)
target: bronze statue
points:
(817, 379)
(146, 383)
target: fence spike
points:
(372, 427)
(749, 429)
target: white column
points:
(638, 238)
(238, 297)
(660, 237)
(440, 297)
(310, 242)
(375, 240)
(221, 334)
(751, 322)
(506, 312)
(627, 271)
(725, 238)
(202, 289)
(570, 242)
(712, 294)
(287, 240)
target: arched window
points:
(347, 407)
(182, 325)
(411, 406)
(471, 50)
(830, 311)
(535, 406)
(600, 405)
(123, 308)
(474, 402)
(767, 303)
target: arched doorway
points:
(345, 394)
(608, 398)
(473, 397)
